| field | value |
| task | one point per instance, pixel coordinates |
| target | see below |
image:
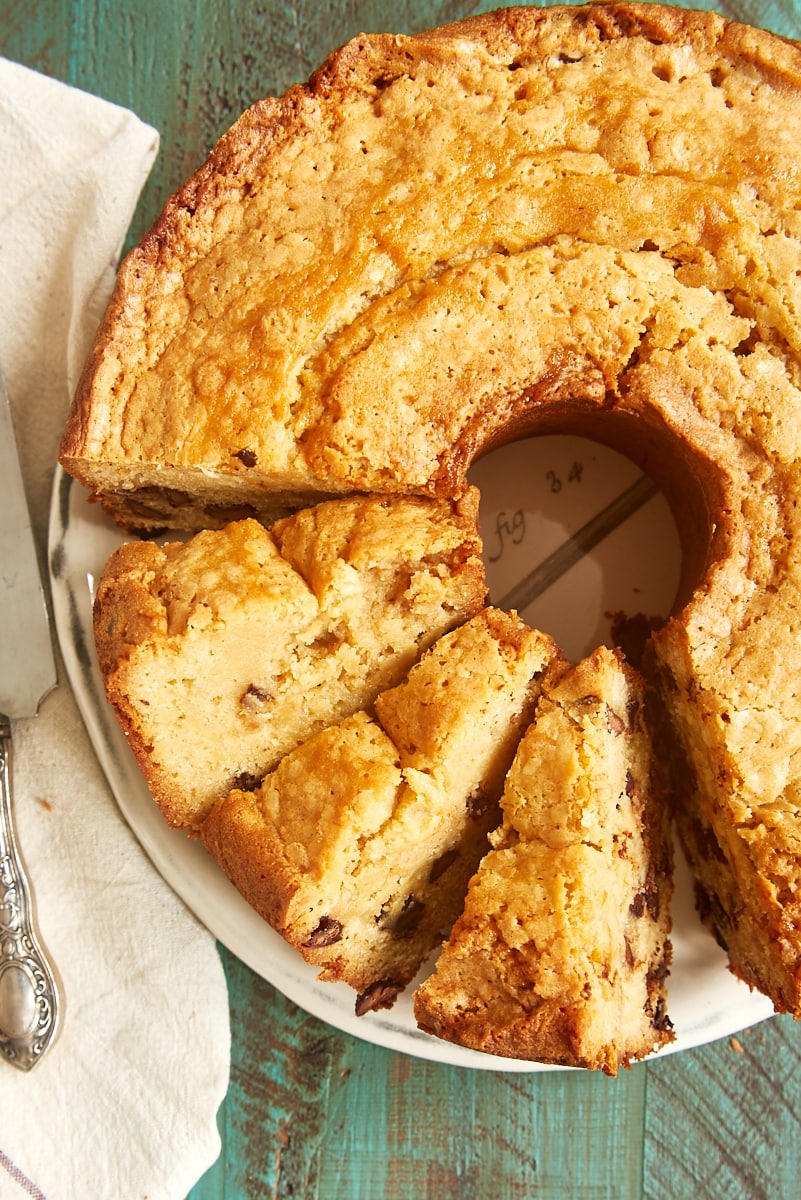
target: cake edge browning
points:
(614, 20)
(157, 496)
(489, 1001)
(163, 616)
(395, 786)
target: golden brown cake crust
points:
(221, 653)
(562, 949)
(584, 219)
(198, 333)
(359, 846)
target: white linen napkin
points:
(124, 1103)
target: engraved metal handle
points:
(28, 992)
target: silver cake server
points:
(28, 993)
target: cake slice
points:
(359, 846)
(562, 950)
(222, 653)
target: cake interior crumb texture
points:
(562, 951)
(222, 653)
(358, 847)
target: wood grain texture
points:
(325, 1115)
(312, 1113)
(723, 1121)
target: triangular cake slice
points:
(562, 950)
(222, 653)
(359, 846)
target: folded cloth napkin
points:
(124, 1103)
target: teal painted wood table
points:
(312, 1112)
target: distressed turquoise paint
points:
(324, 1115)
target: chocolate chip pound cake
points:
(358, 847)
(582, 219)
(530, 217)
(222, 653)
(562, 950)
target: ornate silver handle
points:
(28, 992)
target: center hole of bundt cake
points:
(578, 540)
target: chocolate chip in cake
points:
(478, 804)
(405, 922)
(254, 699)
(328, 931)
(647, 900)
(381, 994)
(245, 781)
(661, 1019)
(226, 513)
(654, 983)
(156, 498)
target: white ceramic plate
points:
(536, 496)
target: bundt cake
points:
(358, 847)
(562, 950)
(221, 653)
(583, 219)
